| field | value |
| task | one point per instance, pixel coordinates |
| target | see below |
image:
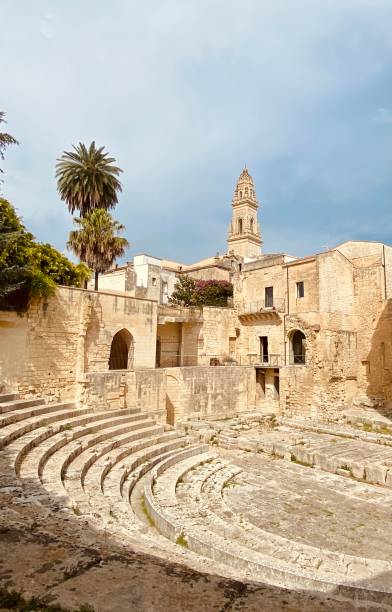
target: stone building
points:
(310, 335)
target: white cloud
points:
(182, 94)
(383, 116)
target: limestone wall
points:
(174, 394)
(210, 392)
(45, 351)
(218, 336)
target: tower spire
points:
(244, 232)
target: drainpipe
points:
(286, 314)
(385, 276)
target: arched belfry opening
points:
(297, 348)
(121, 351)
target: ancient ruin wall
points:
(47, 350)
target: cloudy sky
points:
(183, 93)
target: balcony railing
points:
(272, 360)
(261, 307)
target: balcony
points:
(261, 309)
(272, 360)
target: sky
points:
(184, 93)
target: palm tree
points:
(87, 179)
(96, 242)
(5, 139)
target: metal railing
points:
(261, 306)
(272, 360)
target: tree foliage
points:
(29, 269)
(5, 139)
(96, 241)
(191, 292)
(184, 291)
(87, 179)
(212, 292)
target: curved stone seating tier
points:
(21, 414)
(342, 430)
(18, 404)
(207, 493)
(86, 493)
(124, 473)
(65, 429)
(208, 534)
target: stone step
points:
(8, 397)
(119, 478)
(106, 455)
(142, 462)
(12, 432)
(204, 496)
(23, 440)
(162, 506)
(93, 498)
(101, 457)
(58, 464)
(22, 403)
(341, 430)
(67, 445)
(26, 413)
(95, 476)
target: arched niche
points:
(297, 340)
(121, 351)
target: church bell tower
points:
(244, 232)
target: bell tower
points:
(244, 237)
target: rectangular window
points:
(300, 289)
(269, 297)
(154, 281)
(264, 357)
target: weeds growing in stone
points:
(181, 540)
(150, 520)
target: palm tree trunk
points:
(96, 280)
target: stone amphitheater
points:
(255, 512)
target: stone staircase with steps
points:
(142, 481)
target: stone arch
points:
(172, 399)
(297, 344)
(121, 351)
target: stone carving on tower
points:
(244, 237)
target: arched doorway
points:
(121, 351)
(298, 347)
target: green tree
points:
(29, 269)
(96, 242)
(5, 139)
(212, 292)
(184, 291)
(87, 179)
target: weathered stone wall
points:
(219, 325)
(344, 318)
(174, 394)
(45, 351)
(211, 392)
(169, 344)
